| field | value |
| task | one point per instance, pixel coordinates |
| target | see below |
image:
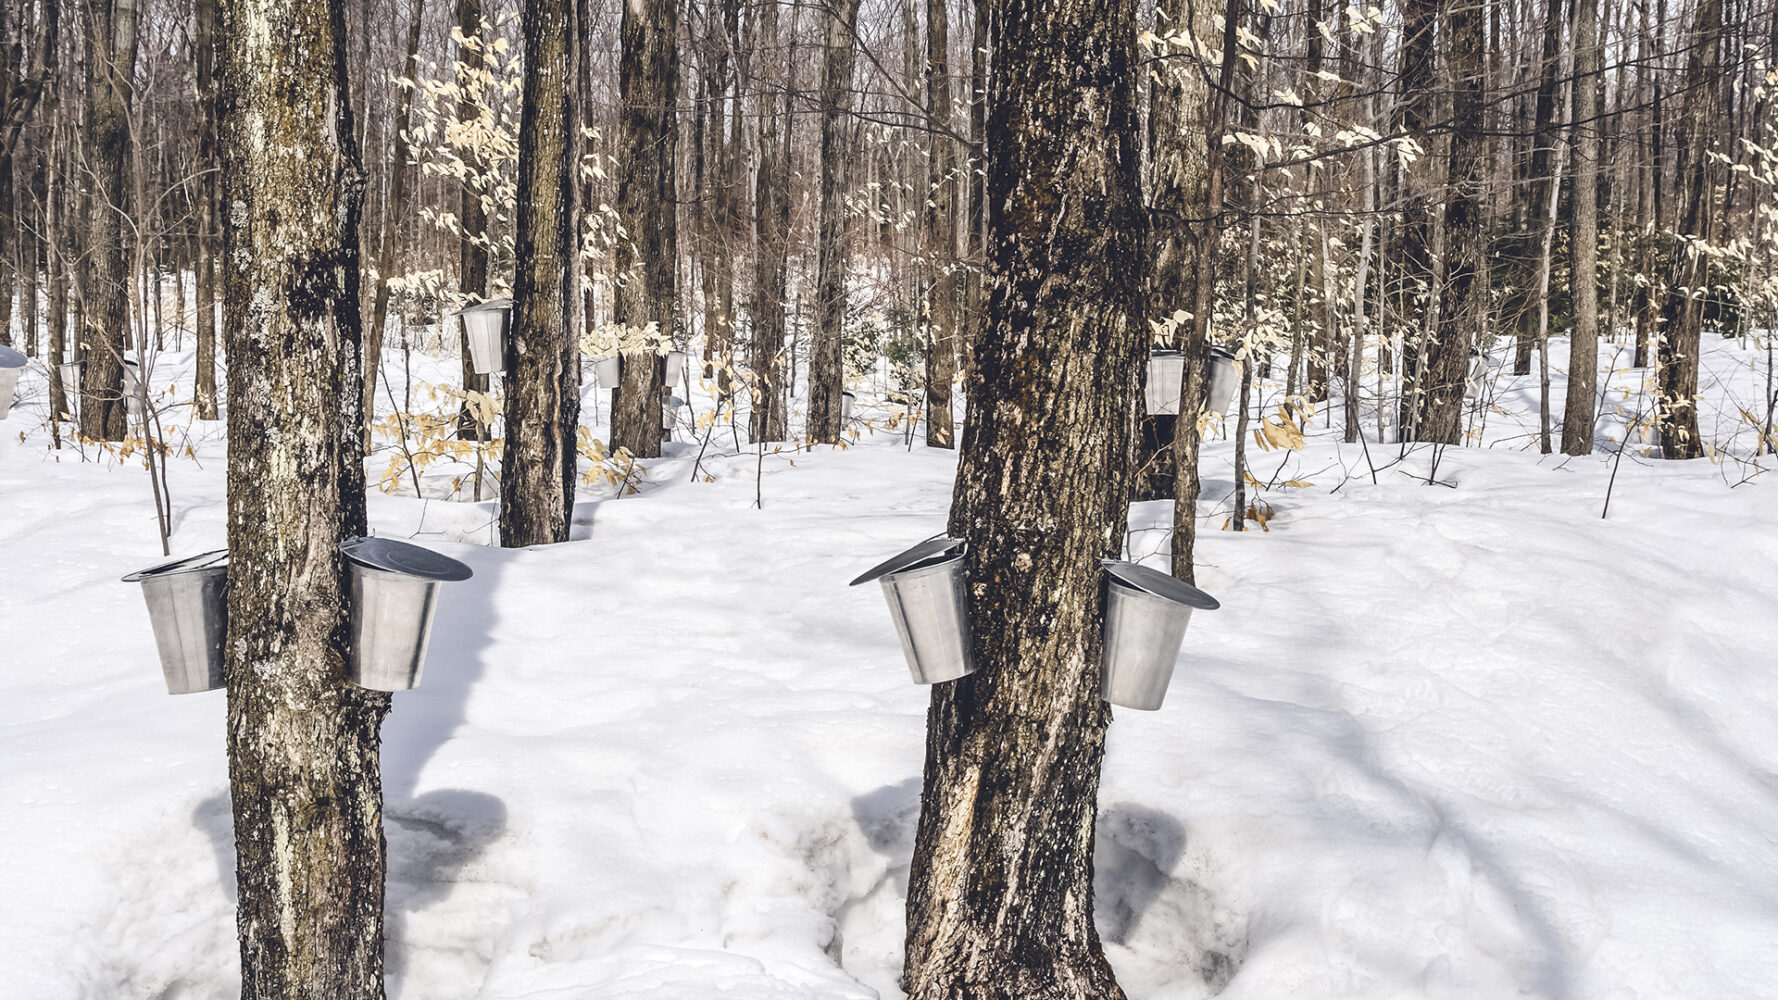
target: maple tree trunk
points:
(826, 367)
(1001, 886)
(303, 743)
(1583, 351)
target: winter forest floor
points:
(1459, 739)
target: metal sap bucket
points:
(927, 602)
(1225, 378)
(132, 388)
(1166, 374)
(485, 327)
(670, 412)
(12, 363)
(608, 370)
(675, 368)
(1146, 612)
(188, 609)
(394, 593)
(847, 400)
(1478, 366)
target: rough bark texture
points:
(1583, 352)
(772, 217)
(472, 257)
(1542, 174)
(1445, 360)
(204, 53)
(399, 170)
(1682, 311)
(942, 312)
(536, 472)
(1416, 113)
(827, 376)
(647, 254)
(1000, 896)
(111, 26)
(303, 743)
(1179, 195)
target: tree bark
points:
(1445, 362)
(536, 481)
(826, 368)
(1542, 169)
(303, 743)
(1682, 311)
(1000, 896)
(111, 26)
(204, 292)
(772, 218)
(472, 254)
(1583, 351)
(647, 255)
(393, 206)
(941, 233)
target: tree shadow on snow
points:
(431, 836)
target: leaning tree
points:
(1001, 889)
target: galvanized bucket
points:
(1225, 378)
(485, 327)
(670, 412)
(132, 389)
(608, 370)
(675, 368)
(1478, 366)
(394, 593)
(1146, 612)
(927, 602)
(11, 364)
(847, 400)
(1166, 374)
(188, 609)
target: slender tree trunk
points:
(941, 233)
(1000, 895)
(205, 185)
(393, 206)
(826, 369)
(1682, 311)
(772, 217)
(536, 481)
(111, 26)
(1543, 144)
(1418, 287)
(1446, 361)
(647, 254)
(1583, 351)
(303, 743)
(472, 255)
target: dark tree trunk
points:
(1445, 361)
(1000, 895)
(772, 217)
(1179, 189)
(941, 233)
(1682, 311)
(472, 255)
(393, 206)
(647, 254)
(111, 27)
(204, 49)
(302, 742)
(1416, 112)
(1543, 159)
(827, 376)
(1583, 352)
(536, 480)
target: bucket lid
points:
(184, 564)
(931, 550)
(1163, 585)
(10, 358)
(1163, 352)
(391, 556)
(486, 305)
(849, 393)
(1219, 351)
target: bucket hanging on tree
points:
(1146, 612)
(394, 595)
(927, 602)
(188, 610)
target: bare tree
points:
(826, 370)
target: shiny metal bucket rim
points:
(1157, 585)
(389, 555)
(486, 305)
(935, 551)
(183, 564)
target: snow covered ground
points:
(1465, 739)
